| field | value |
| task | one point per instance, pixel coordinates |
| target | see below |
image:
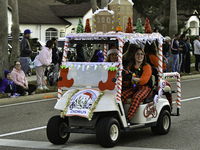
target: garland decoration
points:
(94, 105)
(67, 104)
(112, 68)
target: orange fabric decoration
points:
(109, 84)
(64, 82)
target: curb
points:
(6, 101)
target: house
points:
(39, 17)
(103, 21)
(123, 9)
(73, 12)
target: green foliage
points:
(80, 27)
(139, 27)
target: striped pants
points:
(137, 95)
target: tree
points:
(94, 5)
(15, 32)
(87, 26)
(139, 27)
(147, 27)
(3, 36)
(80, 26)
(173, 25)
(129, 28)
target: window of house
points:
(62, 34)
(51, 32)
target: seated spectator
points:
(8, 86)
(22, 86)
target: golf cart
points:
(92, 101)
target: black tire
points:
(108, 132)
(56, 130)
(163, 123)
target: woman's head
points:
(112, 55)
(130, 51)
(50, 44)
(17, 65)
(151, 48)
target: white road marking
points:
(68, 146)
(23, 131)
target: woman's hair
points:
(151, 48)
(49, 44)
(132, 61)
(16, 62)
(130, 52)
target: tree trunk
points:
(104, 3)
(15, 32)
(94, 5)
(173, 23)
(3, 36)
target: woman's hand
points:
(135, 79)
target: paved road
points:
(23, 127)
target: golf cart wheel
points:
(56, 130)
(108, 131)
(163, 124)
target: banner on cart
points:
(82, 103)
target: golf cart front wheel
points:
(163, 123)
(57, 130)
(108, 132)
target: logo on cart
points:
(150, 109)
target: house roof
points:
(72, 10)
(38, 12)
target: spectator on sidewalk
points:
(8, 86)
(43, 60)
(183, 52)
(188, 55)
(166, 46)
(197, 52)
(20, 80)
(175, 52)
(25, 51)
(55, 59)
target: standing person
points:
(43, 60)
(183, 52)
(197, 52)
(188, 59)
(22, 86)
(142, 80)
(166, 46)
(55, 58)
(175, 53)
(25, 51)
(8, 86)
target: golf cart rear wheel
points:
(56, 130)
(163, 124)
(108, 132)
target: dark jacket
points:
(6, 82)
(55, 56)
(25, 48)
(183, 45)
(175, 46)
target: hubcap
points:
(114, 132)
(166, 122)
(62, 130)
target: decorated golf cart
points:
(91, 102)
